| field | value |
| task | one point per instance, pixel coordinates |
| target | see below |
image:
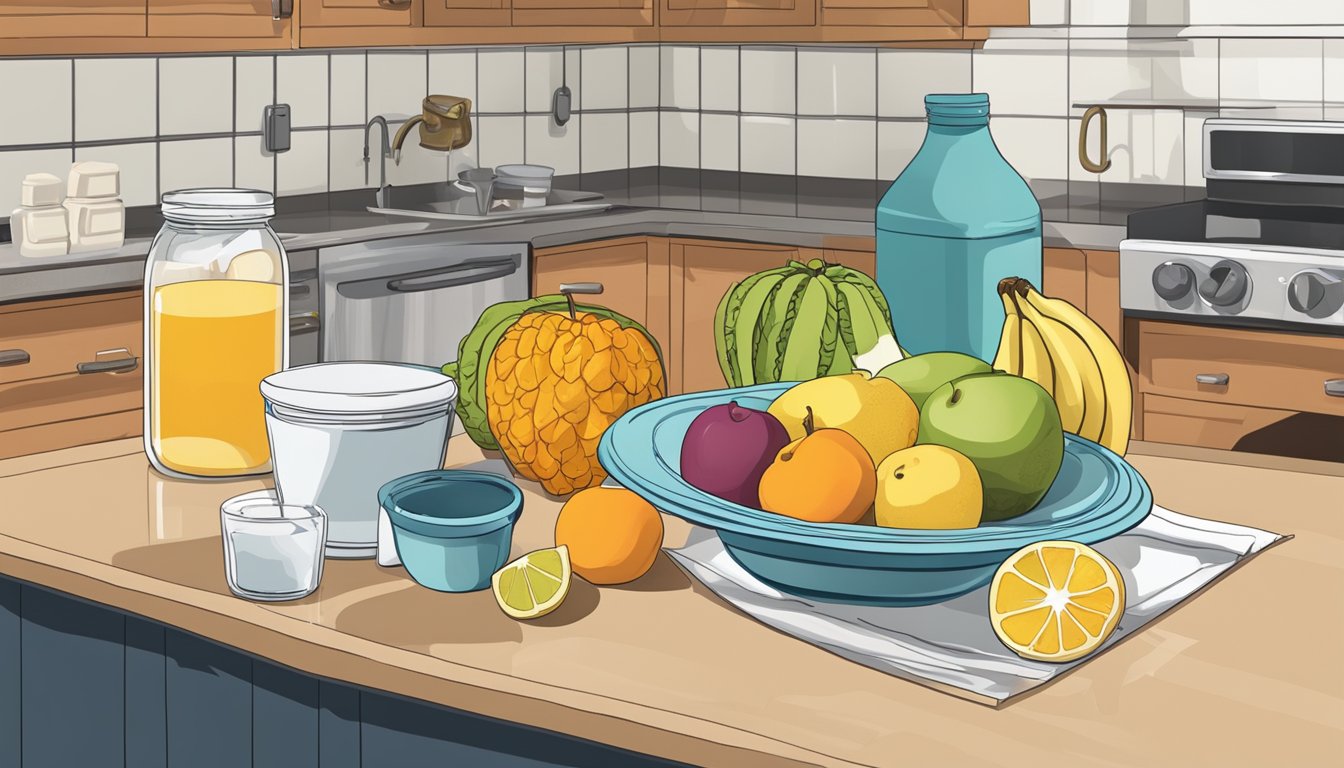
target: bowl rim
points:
(449, 527)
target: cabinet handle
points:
(282, 9)
(1083, 159)
(115, 365)
(1334, 387)
(14, 357)
(298, 291)
(1216, 379)
(304, 322)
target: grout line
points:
(275, 95)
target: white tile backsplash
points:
(115, 98)
(16, 164)
(897, 143)
(837, 82)
(1256, 12)
(453, 73)
(553, 145)
(1194, 147)
(643, 139)
(679, 77)
(1023, 77)
(303, 169)
(679, 139)
(719, 142)
(418, 165)
(769, 81)
(194, 164)
(1333, 74)
(301, 82)
(1036, 147)
(644, 82)
(196, 95)
(1105, 70)
(398, 83)
(254, 90)
(719, 79)
(347, 88)
(1144, 145)
(1186, 70)
(604, 141)
(546, 71)
(1044, 13)
(906, 75)
(1285, 72)
(139, 169)
(499, 80)
(253, 166)
(346, 168)
(768, 144)
(37, 101)
(499, 140)
(842, 148)
(604, 78)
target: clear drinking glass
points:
(272, 551)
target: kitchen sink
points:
(454, 202)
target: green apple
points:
(920, 375)
(1008, 427)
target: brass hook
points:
(1083, 159)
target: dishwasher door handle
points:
(466, 273)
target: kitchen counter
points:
(1248, 673)
(810, 212)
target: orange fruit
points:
(825, 477)
(612, 534)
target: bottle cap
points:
(218, 206)
(957, 108)
(40, 189)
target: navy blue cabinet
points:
(82, 684)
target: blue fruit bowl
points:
(1096, 495)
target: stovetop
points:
(1241, 223)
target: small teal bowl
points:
(452, 527)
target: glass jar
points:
(216, 317)
(956, 221)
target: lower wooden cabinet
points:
(70, 372)
(1243, 390)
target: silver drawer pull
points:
(1334, 387)
(14, 357)
(115, 365)
(1217, 379)
(304, 322)
(296, 291)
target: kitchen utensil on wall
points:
(955, 222)
(445, 125)
(216, 324)
(1083, 159)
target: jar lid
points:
(360, 388)
(218, 206)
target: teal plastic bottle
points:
(954, 223)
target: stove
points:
(1264, 249)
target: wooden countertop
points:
(1249, 673)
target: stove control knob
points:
(1227, 284)
(1173, 281)
(1316, 293)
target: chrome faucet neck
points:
(382, 156)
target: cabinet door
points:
(358, 13)
(29, 19)
(216, 18)
(1064, 275)
(746, 13)
(583, 13)
(892, 13)
(702, 272)
(468, 13)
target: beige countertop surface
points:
(1248, 673)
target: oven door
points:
(413, 303)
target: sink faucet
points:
(381, 196)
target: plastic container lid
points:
(218, 206)
(345, 389)
(41, 189)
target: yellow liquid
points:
(213, 342)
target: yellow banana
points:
(1037, 364)
(1110, 364)
(1079, 392)
(1009, 357)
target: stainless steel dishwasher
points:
(412, 300)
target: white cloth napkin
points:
(1165, 559)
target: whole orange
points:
(613, 535)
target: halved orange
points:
(1056, 600)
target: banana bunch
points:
(1054, 344)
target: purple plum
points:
(727, 449)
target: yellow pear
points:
(875, 411)
(928, 486)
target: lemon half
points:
(1056, 600)
(534, 584)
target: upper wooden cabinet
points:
(738, 13)
(29, 19)
(467, 13)
(216, 18)
(356, 13)
(583, 13)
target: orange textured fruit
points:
(555, 383)
(613, 535)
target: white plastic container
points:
(39, 227)
(97, 214)
(339, 431)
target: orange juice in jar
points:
(215, 326)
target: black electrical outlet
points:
(275, 122)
